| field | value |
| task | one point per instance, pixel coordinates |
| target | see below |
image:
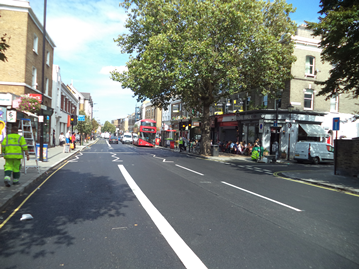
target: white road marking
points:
(77, 158)
(183, 251)
(117, 158)
(189, 170)
(164, 160)
(261, 196)
(108, 144)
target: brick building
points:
(22, 73)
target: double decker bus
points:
(146, 131)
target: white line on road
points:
(189, 170)
(274, 201)
(184, 253)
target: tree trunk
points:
(205, 129)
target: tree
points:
(3, 47)
(108, 127)
(339, 30)
(203, 50)
(84, 127)
(95, 125)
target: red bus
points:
(146, 131)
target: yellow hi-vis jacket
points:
(13, 145)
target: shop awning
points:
(313, 130)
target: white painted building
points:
(64, 103)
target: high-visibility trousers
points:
(12, 165)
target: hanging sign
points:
(11, 115)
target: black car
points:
(113, 140)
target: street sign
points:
(81, 118)
(261, 126)
(289, 125)
(275, 124)
(336, 122)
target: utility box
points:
(215, 150)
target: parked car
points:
(120, 138)
(113, 140)
(127, 138)
(315, 152)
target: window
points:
(34, 78)
(47, 86)
(309, 66)
(175, 108)
(334, 104)
(36, 41)
(265, 101)
(48, 58)
(308, 99)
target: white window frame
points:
(308, 66)
(35, 44)
(177, 106)
(48, 58)
(47, 87)
(311, 92)
(334, 101)
(34, 77)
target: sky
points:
(83, 32)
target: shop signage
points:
(38, 97)
(3, 113)
(196, 123)
(5, 99)
(11, 115)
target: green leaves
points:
(201, 51)
(339, 29)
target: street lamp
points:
(290, 109)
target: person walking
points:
(73, 140)
(61, 139)
(13, 147)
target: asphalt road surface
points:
(121, 206)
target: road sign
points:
(289, 125)
(275, 124)
(81, 118)
(336, 122)
(261, 126)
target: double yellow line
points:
(27, 198)
(311, 184)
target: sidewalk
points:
(56, 156)
(320, 177)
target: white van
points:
(314, 152)
(134, 138)
(127, 138)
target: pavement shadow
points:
(60, 204)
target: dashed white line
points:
(261, 196)
(183, 251)
(189, 170)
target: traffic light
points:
(73, 120)
(180, 126)
(183, 126)
(189, 124)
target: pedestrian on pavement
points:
(53, 137)
(68, 137)
(73, 140)
(13, 147)
(62, 139)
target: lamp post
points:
(41, 157)
(290, 109)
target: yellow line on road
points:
(27, 198)
(311, 184)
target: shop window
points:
(176, 108)
(308, 99)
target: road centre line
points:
(261, 196)
(183, 251)
(190, 170)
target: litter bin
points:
(44, 152)
(172, 144)
(215, 150)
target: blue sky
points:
(83, 31)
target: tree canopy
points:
(203, 50)
(3, 47)
(84, 127)
(339, 29)
(109, 127)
